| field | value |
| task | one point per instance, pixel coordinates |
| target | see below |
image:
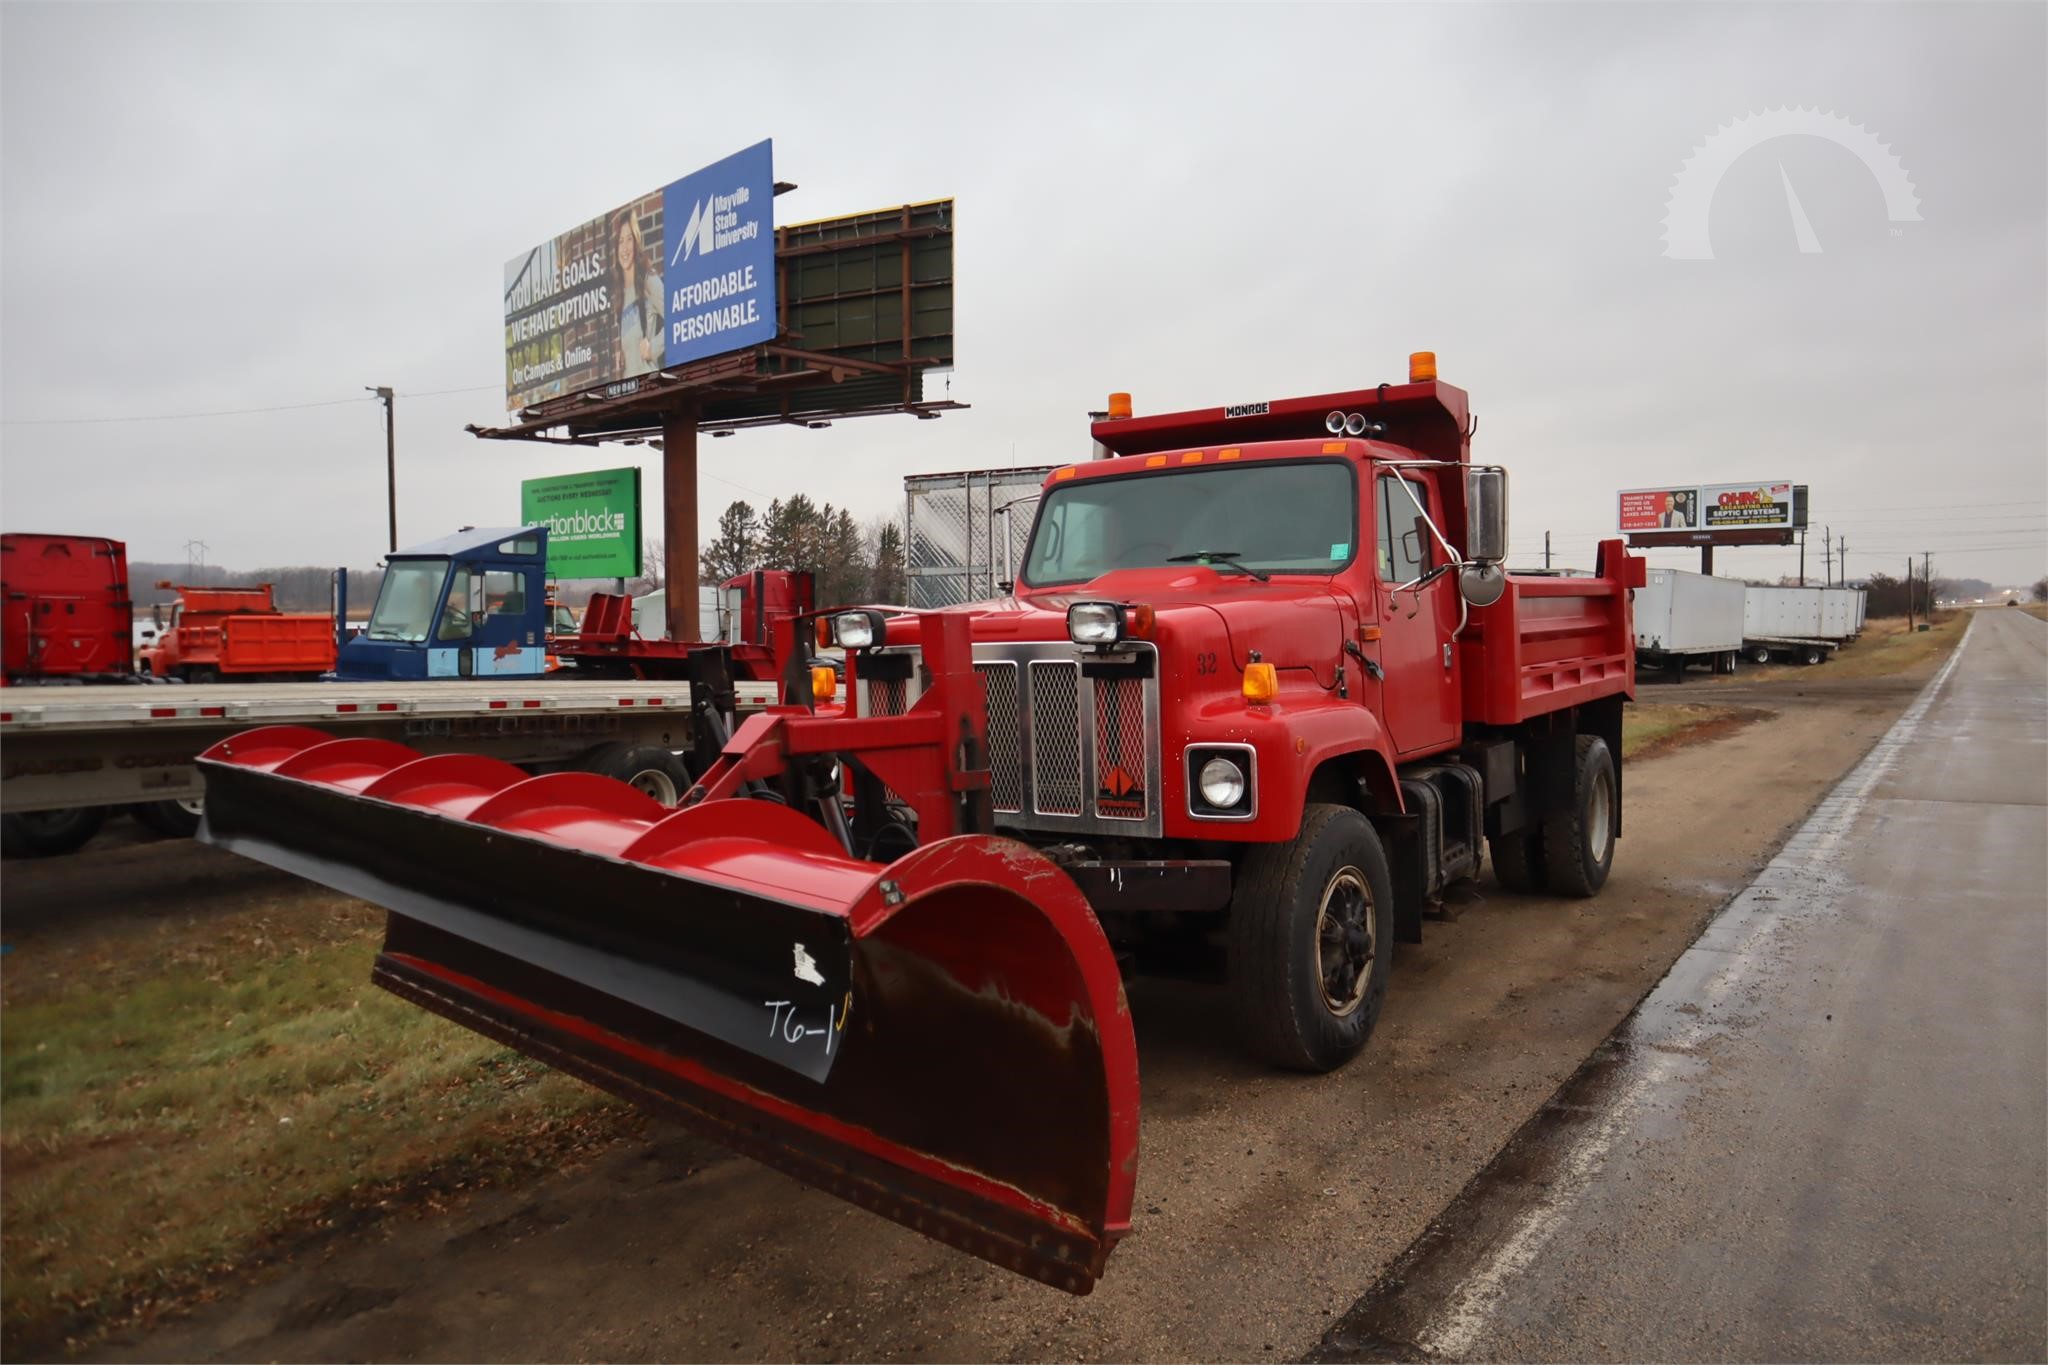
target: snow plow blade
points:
(943, 1040)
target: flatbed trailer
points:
(115, 745)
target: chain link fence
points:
(964, 533)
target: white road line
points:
(1461, 1324)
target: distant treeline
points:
(300, 587)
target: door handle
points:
(1447, 656)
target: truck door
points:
(1419, 701)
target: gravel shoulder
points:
(1266, 1203)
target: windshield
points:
(1269, 517)
(406, 602)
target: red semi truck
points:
(238, 635)
(1260, 694)
(65, 613)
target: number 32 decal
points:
(1205, 663)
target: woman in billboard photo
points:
(636, 281)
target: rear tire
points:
(646, 768)
(1813, 655)
(49, 833)
(172, 819)
(1518, 861)
(1311, 941)
(1578, 841)
(1759, 654)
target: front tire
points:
(1311, 941)
(1578, 841)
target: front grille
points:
(1056, 737)
(1070, 753)
(1005, 736)
(1121, 791)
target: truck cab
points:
(470, 605)
(1263, 688)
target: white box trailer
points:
(1687, 618)
(1805, 625)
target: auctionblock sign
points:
(593, 521)
(682, 273)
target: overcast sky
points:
(215, 207)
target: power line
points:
(176, 416)
(231, 412)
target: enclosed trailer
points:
(1687, 618)
(1799, 624)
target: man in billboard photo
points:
(1677, 513)
(636, 285)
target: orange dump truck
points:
(238, 635)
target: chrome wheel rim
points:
(1344, 941)
(657, 784)
(1600, 816)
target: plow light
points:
(858, 629)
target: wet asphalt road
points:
(1824, 1136)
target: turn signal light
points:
(824, 683)
(1421, 367)
(1119, 405)
(824, 632)
(1261, 683)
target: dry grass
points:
(1649, 728)
(173, 1105)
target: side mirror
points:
(1486, 514)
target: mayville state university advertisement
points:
(685, 272)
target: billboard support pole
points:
(679, 520)
(1707, 560)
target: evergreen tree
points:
(735, 549)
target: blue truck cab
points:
(470, 605)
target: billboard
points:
(681, 273)
(1766, 506)
(593, 521)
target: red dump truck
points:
(1259, 695)
(238, 635)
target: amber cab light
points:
(1422, 367)
(1261, 683)
(1119, 405)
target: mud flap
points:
(943, 1040)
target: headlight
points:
(1095, 623)
(854, 630)
(1221, 783)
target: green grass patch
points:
(163, 1115)
(1653, 727)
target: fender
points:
(1291, 741)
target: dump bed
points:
(285, 643)
(1552, 643)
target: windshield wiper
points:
(1229, 557)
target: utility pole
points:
(1927, 582)
(390, 460)
(1802, 557)
(1909, 592)
(1842, 559)
(1546, 549)
(1827, 554)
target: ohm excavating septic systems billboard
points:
(1768, 506)
(682, 273)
